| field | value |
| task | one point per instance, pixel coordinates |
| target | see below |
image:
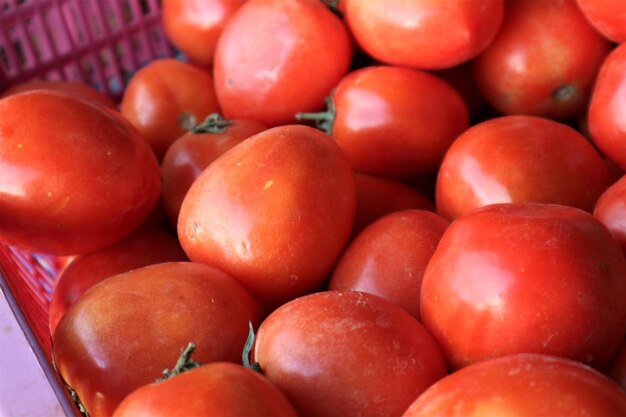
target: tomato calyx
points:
(214, 123)
(324, 120)
(183, 364)
(247, 350)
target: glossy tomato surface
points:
(347, 354)
(389, 257)
(277, 58)
(275, 212)
(127, 329)
(517, 159)
(162, 94)
(611, 210)
(520, 386)
(217, 389)
(396, 122)
(424, 34)
(74, 175)
(607, 16)
(543, 61)
(82, 89)
(526, 278)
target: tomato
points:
(526, 278)
(193, 26)
(461, 78)
(520, 386)
(611, 210)
(142, 248)
(275, 212)
(190, 154)
(125, 330)
(74, 175)
(389, 257)
(516, 159)
(424, 34)
(161, 94)
(616, 368)
(542, 62)
(347, 354)
(607, 16)
(277, 58)
(395, 122)
(606, 117)
(85, 90)
(218, 389)
(377, 196)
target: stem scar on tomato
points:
(565, 92)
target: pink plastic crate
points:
(98, 42)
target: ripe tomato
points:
(424, 34)
(275, 212)
(142, 248)
(616, 369)
(515, 159)
(611, 210)
(190, 154)
(74, 175)
(161, 94)
(85, 90)
(521, 386)
(543, 61)
(526, 278)
(395, 122)
(606, 116)
(123, 332)
(388, 258)
(217, 389)
(607, 16)
(347, 354)
(277, 58)
(193, 26)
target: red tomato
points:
(395, 122)
(521, 386)
(123, 332)
(389, 257)
(275, 212)
(424, 34)
(616, 369)
(145, 247)
(161, 94)
(85, 90)
(190, 154)
(377, 196)
(526, 278)
(517, 159)
(607, 16)
(611, 210)
(460, 77)
(347, 354)
(217, 389)
(543, 61)
(277, 58)
(606, 117)
(193, 26)
(74, 175)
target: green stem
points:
(214, 123)
(183, 364)
(247, 349)
(323, 120)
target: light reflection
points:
(16, 180)
(485, 188)
(368, 109)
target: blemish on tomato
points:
(268, 184)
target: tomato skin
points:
(494, 276)
(347, 354)
(606, 118)
(191, 153)
(409, 34)
(278, 58)
(611, 210)
(300, 176)
(160, 93)
(193, 26)
(82, 89)
(519, 386)
(389, 257)
(67, 187)
(218, 389)
(142, 248)
(542, 62)
(517, 159)
(125, 330)
(396, 122)
(607, 16)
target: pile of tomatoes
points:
(352, 208)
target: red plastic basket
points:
(98, 42)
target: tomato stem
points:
(323, 120)
(214, 123)
(183, 364)
(247, 349)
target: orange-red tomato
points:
(611, 210)
(607, 16)
(82, 89)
